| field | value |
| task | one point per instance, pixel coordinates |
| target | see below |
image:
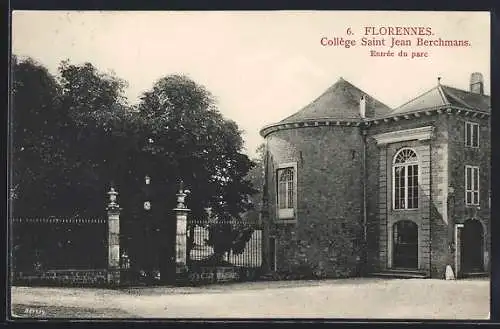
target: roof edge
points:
(418, 96)
(381, 105)
(327, 121)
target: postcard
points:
(250, 164)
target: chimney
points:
(476, 83)
(362, 107)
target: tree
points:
(97, 138)
(233, 236)
(256, 177)
(75, 133)
(36, 151)
(195, 143)
(37, 155)
(66, 133)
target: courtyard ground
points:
(360, 298)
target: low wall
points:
(221, 274)
(98, 278)
(63, 278)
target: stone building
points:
(353, 187)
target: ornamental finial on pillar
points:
(181, 186)
(181, 196)
(112, 205)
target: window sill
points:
(412, 209)
(286, 213)
(285, 221)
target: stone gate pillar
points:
(181, 212)
(113, 270)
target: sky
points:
(261, 66)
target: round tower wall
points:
(324, 238)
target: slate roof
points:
(340, 101)
(442, 95)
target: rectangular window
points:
(282, 195)
(286, 191)
(399, 188)
(412, 187)
(471, 134)
(471, 185)
(285, 188)
(406, 187)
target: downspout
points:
(365, 219)
(264, 212)
(362, 114)
(10, 177)
(430, 207)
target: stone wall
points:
(325, 239)
(460, 156)
(382, 216)
(219, 274)
(63, 278)
(441, 227)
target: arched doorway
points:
(472, 247)
(405, 245)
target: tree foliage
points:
(256, 176)
(37, 151)
(233, 236)
(195, 143)
(62, 138)
(74, 133)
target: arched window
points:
(405, 179)
(286, 191)
(285, 188)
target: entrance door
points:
(472, 247)
(405, 245)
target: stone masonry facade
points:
(327, 218)
(343, 218)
